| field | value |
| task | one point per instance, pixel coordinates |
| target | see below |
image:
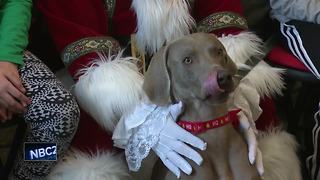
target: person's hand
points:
(5, 114)
(159, 132)
(12, 97)
(172, 145)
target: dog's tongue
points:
(211, 84)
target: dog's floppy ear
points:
(157, 80)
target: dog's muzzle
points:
(217, 82)
(224, 80)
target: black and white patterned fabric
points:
(52, 116)
(302, 39)
(313, 161)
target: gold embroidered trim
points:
(138, 54)
(110, 5)
(222, 20)
(88, 45)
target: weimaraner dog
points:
(197, 71)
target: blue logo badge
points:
(40, 151)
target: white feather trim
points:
(241, 47)
(110, 87)
(82, 166)
(161, 21)
(267, 80)
(279, 156)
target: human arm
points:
(12, 96)
(5, 114)
(15, 22)
(14, 27)
(303, 10)
(78, 29)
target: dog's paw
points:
(255, 158)
(252, 154)
(259, 163)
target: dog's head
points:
(195, 67)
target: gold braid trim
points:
(88, 45)
(110, 5)
(136, 53)
(222, 20)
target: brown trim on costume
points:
(136, 53)
(222, 20)
(110, 5)
(88, 45)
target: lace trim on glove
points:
(145, 137)
(138, 148)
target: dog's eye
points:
(187, 60)
(220, 52)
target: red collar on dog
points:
(200, 127)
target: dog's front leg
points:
(255, 156)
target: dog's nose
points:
(224, 79)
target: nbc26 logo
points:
(40, 151)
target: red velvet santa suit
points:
(79, 27)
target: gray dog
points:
(197, 71)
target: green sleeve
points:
(15, 18)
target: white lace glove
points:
(158, 131)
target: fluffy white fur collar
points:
(160, 21)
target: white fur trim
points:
(82, 166)
(267, 80)
(241, 47)
(279, 156)
(110, 87)
(161, 21)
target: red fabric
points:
(124, 19)
(90, 136)
(197, 127)
(268, 118)
(71, 20)
(79, 64)
(279, 56)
